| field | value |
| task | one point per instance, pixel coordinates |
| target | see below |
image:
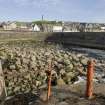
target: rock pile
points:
(25, 67)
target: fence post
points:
(49, 80)
(90, 74)
(3, 92)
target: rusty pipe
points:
(90, 75)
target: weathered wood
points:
(3, 92)
(49, 80)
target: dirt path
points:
(62, 95)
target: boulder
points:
(60, 82)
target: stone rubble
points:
(25, 66)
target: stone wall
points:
(86, 39)
(22, 35)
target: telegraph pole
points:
(42, 17)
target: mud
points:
(63, 95)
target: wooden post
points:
(49, 87)
(49, 81)
(90, 74)
(3, 92)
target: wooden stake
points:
(3, 92)
(90, 74)
(49, 82)
(49, 88)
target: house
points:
(47, 26)
(57, 28)
(24, 26)
(9, 25)
(70, 27)
(36, 27)
(92, 27)
(1, 26)
(88, 27)
(102, 29)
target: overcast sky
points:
(68, 10)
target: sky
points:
(64, 10)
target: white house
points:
(57, 28)
(36, 28)
(10, 26)
(70, 27)
(102, 29)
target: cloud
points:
(82, 10)
(36, 2)
(22, 2)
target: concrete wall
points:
(24, 35)
(88, 39)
